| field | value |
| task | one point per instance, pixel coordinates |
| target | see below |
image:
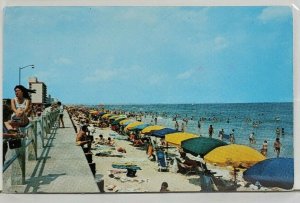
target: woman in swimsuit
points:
(21, 106)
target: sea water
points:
(260, 118)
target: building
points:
(40, 97)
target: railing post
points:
(32, 155)
(19, 166)
(41, 132)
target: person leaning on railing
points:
(21, 106)
(81, 138)
(8, 130)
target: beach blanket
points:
(106, 154)
(130, 167)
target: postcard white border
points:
(179, 197)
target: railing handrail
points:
(50, 117)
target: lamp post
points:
(20, 68)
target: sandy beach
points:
(149, 179)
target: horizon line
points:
(113, 104)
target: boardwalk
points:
(61, 167)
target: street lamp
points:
(20, 68)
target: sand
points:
(149, 179)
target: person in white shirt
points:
(61, 114)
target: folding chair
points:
(161, 160)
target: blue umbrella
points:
(140, 127)
(274, 172)
(161, 133)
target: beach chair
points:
(207, 184)
(224, 185)
(162, 161)
(186, 169)
(211, 183)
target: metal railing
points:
(39, 127)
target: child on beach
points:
(164, 187)
(101, 140)
(110, 142)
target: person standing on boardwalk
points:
(277, 146)
(61, 114)
(210, 131)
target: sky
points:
(149, 55)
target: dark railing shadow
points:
(39, 168)
(36, 182)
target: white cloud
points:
(156, 79)
(220, 43)
(275, 14)
(188, 74)
(63, 61)
(111, 74)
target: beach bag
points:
(14, 143)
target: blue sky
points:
(119, 55)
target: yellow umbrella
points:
(93, 112)
(124, 121)
(152, 128)
(106, 115)
(234, 155)
(131, 125)
(114, 116)
(177, 138)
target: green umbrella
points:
(201, 145)
(117, 121)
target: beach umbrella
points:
(101, 113)
(274, 172)
(201, 145)
(131, 125)
(113, 116)
(117, 121)
(93, 112)
(123, 121)
(149, 129)
(106, 115)
(234, 155)
(177, 138)
(140, 127)
(161, 133)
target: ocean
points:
(244, 118)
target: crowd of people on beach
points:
(86, 122)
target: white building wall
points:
(38, 96)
